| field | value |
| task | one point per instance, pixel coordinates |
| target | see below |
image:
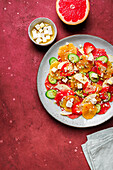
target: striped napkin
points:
(98, 150)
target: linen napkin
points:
(98, 150)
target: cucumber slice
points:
(52, 80)
(79, 93)
(52, 60)
(109, 97)
(51, 94)
(102, 58)
(73, 58)
(98, 106)
(93, 77)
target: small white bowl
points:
(39, 20)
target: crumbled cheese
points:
(65, 80)
(38, 40)
(80, 46)
(39, 35)
(93, 101)
(46, 32)
(35, 34)
(94, 75)
(40, 30)
(90, 57)
(48, 37)
(75, 68)
(67, 43)
(50, 32)
(102, 74)
(81, 50)
(42, 25)
(65, 69)
(54, 69)
(79, 85)
(69, 103)
(44, 39)
(37, 26)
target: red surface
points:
(30, 138)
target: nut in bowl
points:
(42, 31)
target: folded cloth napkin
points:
(98, 150)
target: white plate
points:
(49, 105)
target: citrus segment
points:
(72, 12)
(65, 50)
(89, 111)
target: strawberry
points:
(88, 48)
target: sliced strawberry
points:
(88, 48)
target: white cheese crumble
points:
(90, 57)
(54, 69)
(69, 103)
(65, 80)
(79, 85)
(42, 25)
(75, 68)
(81, 50)
(37, 26)
(67, 43)
(35, 34)
(94, 75)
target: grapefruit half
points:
(72, 12)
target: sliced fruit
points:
(73, 58)
(93, 76)
(99, 52)
(81, 78)
(61, 94)
(109, 71)
(103, 58)
(68, 102)
(88, 48)
(65, 50)
(52, 80)
(62, 87)
(104, 108)
(98, 106)
(72, 12)
(52, 60)
(76, 109)
(83, 65)
(89, 111)
(51, 94)
(54, 72)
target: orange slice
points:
(89, 111)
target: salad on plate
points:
(80, 80)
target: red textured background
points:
(30, 139)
